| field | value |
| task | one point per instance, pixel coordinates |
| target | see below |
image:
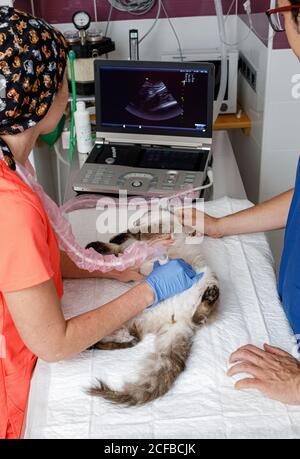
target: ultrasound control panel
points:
(141, 170)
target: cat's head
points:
(154, 226)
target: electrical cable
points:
(159, 6)
(72, 57)
(174, 31)
(32, 7)
(109, 20)
(95, 11)
(59, 156)
(59, 190)
(224, 60)
(229, 9)
(247, 8)
(135, 7)
(141, 7)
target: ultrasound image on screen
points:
(164, 99)
(154, 102)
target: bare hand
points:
(164, 240)
(130, 275)
(201, 222)
(274, 372)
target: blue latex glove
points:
(170, 279)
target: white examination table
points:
(203, 403)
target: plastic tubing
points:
(72, 58)
(88, 259)
(224, 66)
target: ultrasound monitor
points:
(154, 128)
(155, 98)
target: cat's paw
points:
(211, 294)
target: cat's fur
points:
(173, 322)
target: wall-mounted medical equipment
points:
(152, 139)
(134, 45)
(88, 44)
(229, 104)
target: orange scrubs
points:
(29, 255)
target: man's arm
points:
(270, 215)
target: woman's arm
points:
(270, 215)
(38, 317)
(70, 271)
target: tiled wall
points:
(61, 11)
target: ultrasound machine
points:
(154, 128)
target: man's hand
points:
(204, 224)
(274, 372)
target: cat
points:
(173, 322)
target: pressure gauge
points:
(81, 20)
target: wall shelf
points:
(225, 122)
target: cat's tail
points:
(157, 376)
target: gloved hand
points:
(170, 279)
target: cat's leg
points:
(209, 300)
(124, 338)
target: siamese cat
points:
(174, 322)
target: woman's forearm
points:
(38, 316)
(85, 330)
(270, 215)
(70, 271)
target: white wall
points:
(248, 150)
(194, 33)
(281, 146)
(268, 158)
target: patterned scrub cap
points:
(33, 57)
